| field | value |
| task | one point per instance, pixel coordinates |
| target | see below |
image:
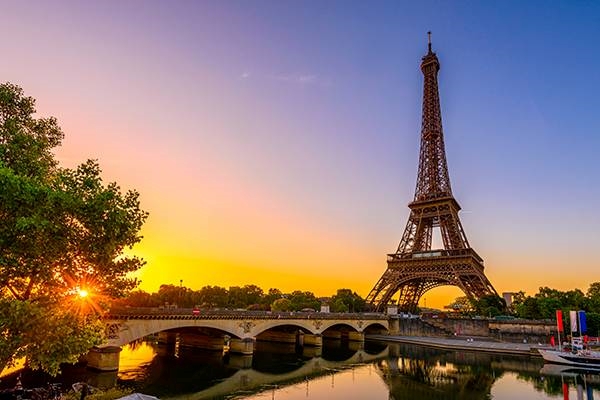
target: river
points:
(375, 370)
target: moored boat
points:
(577, 354)
(581, 358)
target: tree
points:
(351, 300)
(281, 305)
(272, 295)
(137, 298)
(593, 297)
(490, 305)
(252, 294)
(593, 324)
(213, 296)
(462, 305)
(527, 308)
(301, 300)
(174, 295)
(338, 306)
(60, 230)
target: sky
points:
(276, 142)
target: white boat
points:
(581, 358)
(577, 354)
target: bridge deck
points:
(188, 313)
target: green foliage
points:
(18, 321)
(593, 297)
(47, 334)
(249, 297)
(338, 306)
(214, 296)
(489, 305)
(281, 305)
(301, 300)
(593, 324)
(26, 143)
(272, 295)
(99, 394)
(527, 308)
(543, 305)
(462, 305)
(346, 300)
(61, 229)
(242, 297)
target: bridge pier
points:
(356, 346)
(313, 340)
(312, 351)
(102, 379)
(335, 335)
(241, 346)
(278, 336)
(240, 361)
(168, 338)
(356, 336)
(394, 324)
(104, 358)
(203, 342)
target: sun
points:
(82, 293)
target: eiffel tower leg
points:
(410, 294)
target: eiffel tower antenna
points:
(429, 41)
(415, 267)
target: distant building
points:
(325, 308)
(392, 310)
(508, 298)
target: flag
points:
(573, 318)
(559, 320)
(582, 323)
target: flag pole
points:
(559, 325)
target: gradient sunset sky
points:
(276, 143)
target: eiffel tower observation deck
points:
(416, 267)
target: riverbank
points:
(465, 343)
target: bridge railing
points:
(191, 313)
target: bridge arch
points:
(124, 332)
(304, 325)
(375, 328)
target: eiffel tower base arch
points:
(412, 277)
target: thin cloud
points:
(293, 79)
(302, 79)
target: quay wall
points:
(508, 331)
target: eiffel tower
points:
(415, 267)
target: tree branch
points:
(14, 293)
(28, 290)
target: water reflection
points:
(203, 374)
(413, 372)
(373, 370)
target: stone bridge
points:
(207, 329)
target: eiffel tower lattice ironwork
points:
(415, 267)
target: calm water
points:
(339, 371)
